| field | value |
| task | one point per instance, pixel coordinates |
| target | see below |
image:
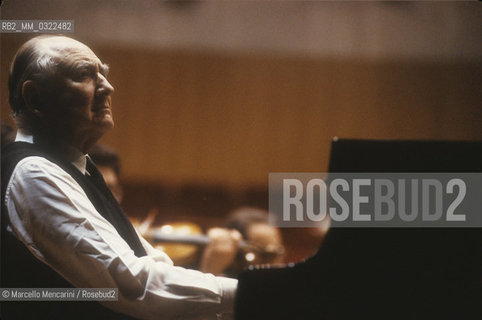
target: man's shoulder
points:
(18, 150)
(13, 153)
(22, 157)
(33, 168)
(35, 164)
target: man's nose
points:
(103, 86)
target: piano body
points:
(379, 273)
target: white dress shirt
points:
(51, 214)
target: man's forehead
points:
(62, 43)
(67, 48)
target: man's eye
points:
(86, 74)
(83, 74)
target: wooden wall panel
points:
(206, 118)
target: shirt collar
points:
(76, 157)
(22, 136)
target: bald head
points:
(58, 86)
(34, 60)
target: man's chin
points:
(105, 124)
(108, 126)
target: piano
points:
(379, 273)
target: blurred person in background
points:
(262, 243)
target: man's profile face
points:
(78, 100)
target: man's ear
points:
(31, 97)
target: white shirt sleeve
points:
(51, 214)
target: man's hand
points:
(220, 253)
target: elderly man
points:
(61, 226)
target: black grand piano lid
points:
(379, 273)
(356, 155)
(427, 270)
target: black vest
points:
(21, 269)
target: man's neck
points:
(68, 151)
